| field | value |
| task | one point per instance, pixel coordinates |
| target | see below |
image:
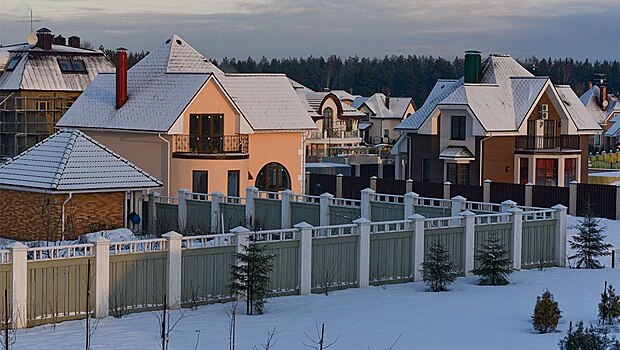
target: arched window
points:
(273, 177)
(328, 118)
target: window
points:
(458, 173)
(200, 181)
(206, 133)
(547, 172)
(273, 177)
(71, 66)
(13, 63)
(570, 170)
(233, 183)
(426, 169)
(458, 127)
(524, 168)
(349, 124)
(78, 66)
(386, 133)
(328, 121)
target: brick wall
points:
(37, 216)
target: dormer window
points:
(13, 63)
(71, 66)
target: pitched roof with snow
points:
(69, 161)
(591, 100)
(161, 86)
(312, 100)
(501, 101)
(377, 104)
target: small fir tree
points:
(609, 307)
(437, 269)
(250, 277)
(589, 244)
(547, 313)
(495, 265)
(588, 338)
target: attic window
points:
(13, 63)
(71, 66)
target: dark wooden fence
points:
(504, 191)
(391, 186)
(472, 193)
(369, 170)
(428, 189)
(352, 186)
(601, 197)
(389, 171)
(321, 183)
(547, 196)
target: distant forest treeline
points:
(410, 75)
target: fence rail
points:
(60, 252)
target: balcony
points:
(551, 143)
(334, 133)
(191, 146)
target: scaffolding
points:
(27, 120)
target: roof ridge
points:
(65, 157)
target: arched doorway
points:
(273, 177)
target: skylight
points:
(13, 63)
(71, 66)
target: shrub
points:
(547, 313)
(589, 243)
(590, 338)
(609, 307)
(438, 271)
(495, 265)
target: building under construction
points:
(39, 81)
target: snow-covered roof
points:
(582, 118)
(312, 101)
(377, 104)
(161, 86)
(456, 152)
(344, 95)
(40, 70)
(70, 161)
(591, 100)
(501, 101)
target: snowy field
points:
(467, 317)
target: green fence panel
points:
(167, 218)
(198, 217)
(267, 214)
(432, 212)
(453, 239)
(57, 290)
(310, 213)
(391, 257)
(137, 281)
(205, 275)
(343, 215)
(538, 244)
(380, 212)
(285, 274)
(5, 284)
(334, 263)
(482, 233)
(233, 215)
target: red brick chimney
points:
(121, 77)
(603, 96)
(44, 39)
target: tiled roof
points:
(69, 161)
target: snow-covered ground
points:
(467, 317)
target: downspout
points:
(481, 159)
(62, 219)
(167, 164)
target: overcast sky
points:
(281, 28)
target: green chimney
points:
(473, 67)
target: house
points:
(68, 185)
(178, 117)
(498, 122)
(38, 82)
(382, 114)
(605, 109)
(336, 122)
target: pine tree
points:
(495, 265)
(250, 277)
(609, 307)
(589, 244)
(547, 313)
(590, 338)
(437, 269)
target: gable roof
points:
(440, 91)
(69, 161)
(312, 100)
(590, 99)
(377, 104)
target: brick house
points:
(605, 108)
(68, 185)
(498, 122)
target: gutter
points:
(62, 230)
(481, 159)
(168, 156)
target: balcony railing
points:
(333, 134)
(198, 144)
(562, 142)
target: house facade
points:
(382, 114)
(38, 83)
(180, 118)
(605, 109)
(498, 122)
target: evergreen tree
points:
(495, 265)
(547, 313)
(438, 271)
(609, 307)
(590, 242)
(590, 338)
(250, 277)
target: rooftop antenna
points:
(31, 20)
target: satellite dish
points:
(32, 39)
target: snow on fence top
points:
(5, 256)
(60, 252)
(540, 214)
(204, 241)
(142, 246)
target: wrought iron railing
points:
(569, 142)
(203, 144)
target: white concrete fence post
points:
(242, 239)
(572, 201)
(409, 185)
(250, 194)
(363, 252)
(216, 199)
(184, 193)
(486, 191)
(409, 203)
(153, 199)
(339, 185)
(517, 236)
(529, 194)
(560, 235)
(506, 206)
(19, 285)
(470, 240)
(366, 195)
(102, 277)
(325, 200)
(287, 195)
(446, 190)
(458, 204)
(418, 246)
(373, 183)
(174, 269)
(305, 257)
